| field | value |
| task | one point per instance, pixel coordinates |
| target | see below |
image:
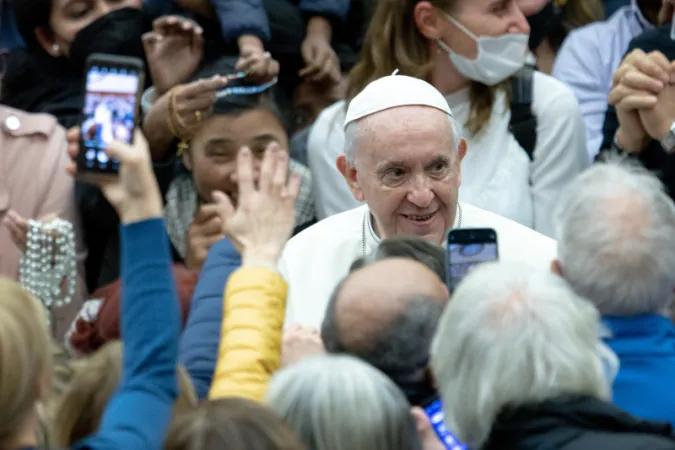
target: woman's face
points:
(68, 17)
(212, 157)
(483, 18)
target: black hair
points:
(29, 15)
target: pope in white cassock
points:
(402, 157)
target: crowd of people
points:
(269, 267)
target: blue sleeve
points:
(239, 17)
(138, 415)
(338, 9)
(199, 346)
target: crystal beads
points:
(48, 269)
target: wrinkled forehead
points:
(407, 133)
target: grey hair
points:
(615, 228)
(353, 129)
(513, 336)
(341, 403)
(411, 247)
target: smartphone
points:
(112, 91)
(434, 411)
(466, 249)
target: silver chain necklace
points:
(48, 269)
(365, 219)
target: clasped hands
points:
(643, 94)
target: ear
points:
(427, 20)
(556, 267)
(46, 41)
(461, 153)
(187, 159)
(349, 173)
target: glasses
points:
(244, 90)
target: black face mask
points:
(542, 23)
(118, 33)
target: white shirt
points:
(497, 174)
(316, 260)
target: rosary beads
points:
(48, 269)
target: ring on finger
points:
(198, 116)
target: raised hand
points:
(265, 215)
(174, 48)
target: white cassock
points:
(317, 259)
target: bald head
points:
(372, 298)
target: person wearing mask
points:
(589, 56)
(551, 390)
(402, 158)
(615, 248)
(550, 23)
(468, 50)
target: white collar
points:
(370, 240)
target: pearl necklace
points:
(365, 219)
(48, 269)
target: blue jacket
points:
(645, 346)
(199, 344)
(138, 415)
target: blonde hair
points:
(24, 357)
(77, 412)
(393, 42)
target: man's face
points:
(408, 171)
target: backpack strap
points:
(523, 124)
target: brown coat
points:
(34, 183)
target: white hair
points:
(614, 226)
(341, 403)
(513, 336)
(353, 130)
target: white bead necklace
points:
(48, 269)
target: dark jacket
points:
(577, 423)
(653, 157)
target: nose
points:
(520, 24)
(103, 8)
(421, 194)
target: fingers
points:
(280, 176)
(293, 189)
(637, 101)
(656, 65)
(206, 86)
(245, 173)
(224, 204)
(206, 213)
(640, 81)
(128, 154)
(268, 167)
(213, 226)
(171, 25)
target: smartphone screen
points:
(109, 112)
(468, 248)
(435, 414)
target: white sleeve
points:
(326, 142)
(560, 153)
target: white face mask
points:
(499, 57)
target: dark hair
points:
(400, 350)
(232, 423)
(411, 247)
(234, 105)
(29, 15)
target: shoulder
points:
(330, 232)
(516, 242)
(326, 138)
(17, 124)
(552, 97)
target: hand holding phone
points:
(113, 86)
(466, 249)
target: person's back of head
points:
(25, 362)
(615, 248)
(342, 403)
(513, 336)
(413, 247)
(78, 410)
(399, 347)
(232, 423)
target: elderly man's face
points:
(408, 171)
